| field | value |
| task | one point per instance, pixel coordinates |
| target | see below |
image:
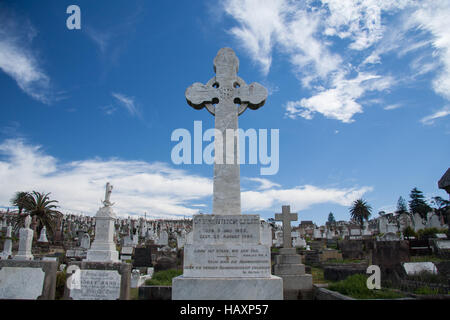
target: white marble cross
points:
(226, 96)
(286, 217)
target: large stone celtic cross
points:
(226, 96)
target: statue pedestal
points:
(226, 261)
(103, 248)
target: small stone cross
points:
(286, 217)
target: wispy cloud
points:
(300, 198)
(340, 101)
(264, 184)
(429, 120)
(127, 102)
(393, 106)
(306, 31)
(19, 61)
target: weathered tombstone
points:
(43, 235)
(163, 238)
(85, 241)
(142, 257)
(126, 253)
(7, 246)
(266, 234)
(25, 241)
(226, 259)
(101, 276)
(414, 268)
(28, 280)
(288, 265)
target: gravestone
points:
(25, 241)
(103, 248)
(266, 234)
(101, 276)
(28, 280)
(226, 260)
(288, 264)
(7, 245)
(43, 235)
(142, 257)
(85, 241)
(126, 253)
(414, 268)
(98, 281)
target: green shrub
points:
(426, 290)
(163, 278)
(429, 232)
(409, 232)
(61, 278)
(355, 286)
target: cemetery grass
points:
(426, 259)
(163, 278)
(134, 293)
(317, 274)
(355, 286)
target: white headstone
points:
(25, 241)
(43, 235)
(413, 268)
(7, 246)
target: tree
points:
(20, 199)
(401, 206)
(331, 218)
(442, 208)
(39, 205)
(417, 204)
(360, 211)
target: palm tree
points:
(39, 204)
(19, 200)
(360, 211)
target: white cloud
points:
(19, 61)
(358, 20)
(340, 101)
(264, 184)
(434, 17)
(300, 198)
(127, 102)
(139, 186)
(265, 24)
(428, 120)
(393, 106)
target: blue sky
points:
(359, 91)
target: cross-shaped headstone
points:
(226, 96)
(286, 217)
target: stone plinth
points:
(296, 283)
(103, 249)
(28, 280)
(226, 262)
(98, 281)
(270, 288)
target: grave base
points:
(97, 287)
(227, 288)
(27, 280)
